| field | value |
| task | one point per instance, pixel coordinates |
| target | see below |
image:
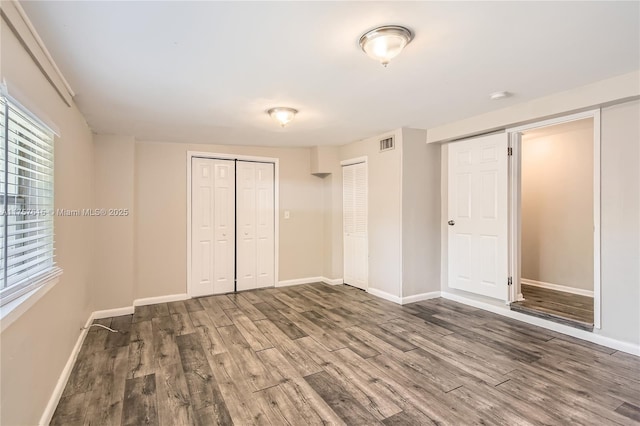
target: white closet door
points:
(478, 222)
(265, 225)
(246, 217)
(356, 250)
(255, 216)
(212, 226)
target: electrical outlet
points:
(287, 214)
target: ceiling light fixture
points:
(282, 115)
(499, 95)
(385, 43)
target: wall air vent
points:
(387, 144)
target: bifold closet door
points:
(355, 217)
(255, 225)
(212, 226)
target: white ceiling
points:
(206, 71)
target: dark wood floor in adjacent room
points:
(319, 354)
(558, 306)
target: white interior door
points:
(478, 216)
(212, 226)
(255, 216)
(354, 204)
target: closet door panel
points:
(355, 214)
(201, 227)
(246, 228)
(212, 225)
(265, 268)
(224, 227)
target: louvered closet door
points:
(354, 190)
(212, 226)
(255, 216)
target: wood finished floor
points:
(319, 354)
(558, 306)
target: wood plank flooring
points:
(318, 354)
(565, 308)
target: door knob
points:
(451, 222)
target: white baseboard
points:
(160, 299)
(299, 281)
(47, 415)
(592, 337)
(310, 280)
(403, 300)
(107, 313)
(557, 287)
(332, 281)
(418, 297)
(384, 295)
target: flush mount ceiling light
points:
(499, 95)
(282, 115)
(385, 43)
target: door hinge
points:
(509, 151)
(509, 281)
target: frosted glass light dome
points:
(282, 115)
(385, 43)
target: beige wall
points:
(35, 348)
(420, 214)
(332, 267)
(557, 205)
(113, 265)
(161, 214)
(384, 209)
(404, 213)
(620, 224)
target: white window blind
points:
(26, 182)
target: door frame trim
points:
(276, 203)
(515, 204)
(352, 161)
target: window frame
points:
(18, 293)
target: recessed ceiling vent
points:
(387, 144)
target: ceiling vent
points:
(387, 144)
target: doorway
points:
(555, 204)
(232, 225)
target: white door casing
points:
(355, 214)
(515, 181)
(212, 226)
(478, 216)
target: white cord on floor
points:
(103, 326)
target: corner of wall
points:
(114, 231)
